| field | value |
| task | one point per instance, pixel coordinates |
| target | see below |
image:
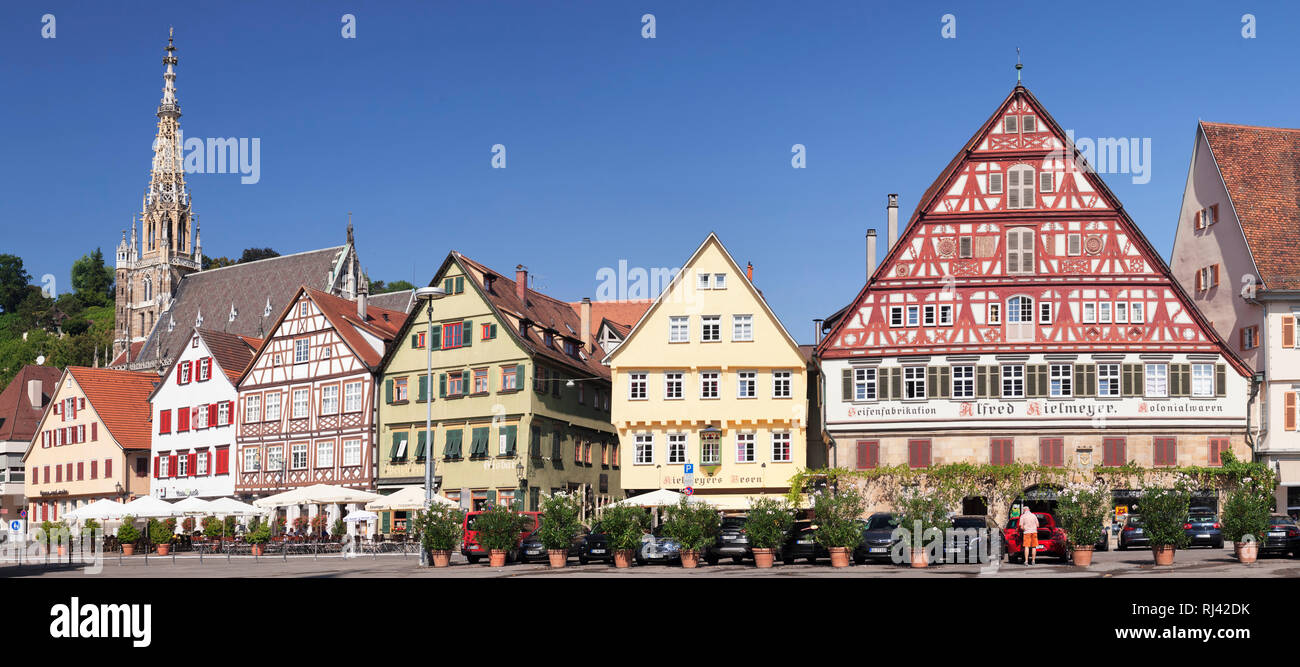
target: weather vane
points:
(1018, 65)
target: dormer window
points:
(570, 348)
(703, 281)
(548, 339)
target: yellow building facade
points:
(710, 378)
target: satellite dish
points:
(40, 360)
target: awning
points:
(727, 501)
(1289, 473)
(409, 498)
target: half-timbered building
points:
(307, 400)
(1022, 316)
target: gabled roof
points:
(398, 302)
(620, 314)
(121, 400)
(122, 356)
(232, 353)
(18, 417)
(1260, 167)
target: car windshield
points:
(1015, 523)
(1283, 521)
(733, 522)
(968, 522)
(1134, 520)
(1201, 518)
(881, 522)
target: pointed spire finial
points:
(350, 228)
(1019, 66)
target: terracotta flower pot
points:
(163, 549)
(1164, 554)
(259, 549)
(623, 557)
(1246, 553)
(763, 558)
(497, 558)
(690, 559)
(559, 557)
(63, 551)
(128, 549)
(1082, 556)
(440, 557)
(839, 556)
(920, 558)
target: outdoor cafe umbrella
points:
(357, 516)
(152, 508)
(101, 509)
(409, 498)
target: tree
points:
(254, 254)
(215, 262)
(13, 282)
(379, 287)
(91, 280)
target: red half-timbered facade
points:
(306, 406)
(1022, 316)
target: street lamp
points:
(428, 295)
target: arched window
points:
(1020, 309)
(148, 288)
(1020, 186)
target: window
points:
(1028, 124)
(351, 452)
(679, 329)
(1089, 313)
(744, 448)
(253, 408)
(1074, 244)
(301, 397)
(480, 381)
(298, 455)
(913, 316)
(995, 313)
(711, 328)
(703, 281)
(864, 384)
(742, 327)
(895, 316)
(1045, 182)
(1207, 278)
(1103, 312)
(182, 465)
(352, 397)
(1165, 451)
(456, 382)
(636, 387)
(780, 384)
(868, 454)
(302, 309)
(273, 406)
(274, 458)
(301, 347)
(1001, 451)
(1020, 251)
(164, 463)
(644, 452)
(489, 331)
(913, 382)
(1051, 452)
(453, 335)
(676, 448)
(223, 413)
(918, 453)
(710, 451)
(205, 369)
(250, 459)
(1205, 217)
(781, 447)
(509, 378)
(1013, 381)
(963, 382)
(995, 188)
(1107, 380)
(1061, 377)
(1202, 380)
(1044, 312)
(719, 281)
(945, 315)
(1249, 337)
(1009, 124)
(184, 369)
(1020, 310)
(329, 399)
(1020, 187)
(200, 464)
(1157, 380)
(709, 384)
(1121, 312)
(673, 385)
(200, 417)
(746, 384)
(927, 316)
(1136, 315)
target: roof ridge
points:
(1252, 127)
(264, 259)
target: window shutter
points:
(388, 391)
(862, 455)
(193, 466)
(171, 465)
(1080, 380)
(1214, 275)
(981, 381)
(1031, 381)
(397, 443)
(846, 381)
(442, 385)
(1214, 212)
(896, 383)
(94, 431)
(157, 466)
(164, 421)
(467, 333)
(932, 382)
(519, 376)
(1288, 331)
(212, 415)
(179, 366)
(230, 411)
(424, 387)
(415, 340)
(945, 382)
(1045, 182)
(1132, 380)
(995, 188)
(1200, 224)
(1289, 411)
(1220, 380)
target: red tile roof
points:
(135, 354)
(18, 417)
(342, 313)
(623, 315)
(231, 351)
(121, 399)
(1261, 168)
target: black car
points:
(732, 542)
(800, 544)
(975, 538)
(595, 546)
(532, 549)
(1204, 530)
(1133, 536)
(657, 548)
(1283, 536)
(877, 538)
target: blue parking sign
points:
(690, 468)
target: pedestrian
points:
(1028, 523)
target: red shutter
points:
(108, 467)
(81, 404)
(193, 465)
(1288, 331)
(94, 431)
(157, 466)
(171, 465)
(1215, 208)
(230, 412)
(179, 366)
(223, 460)
(212, 415)
(182, 420)
(165, 421)
(94, 469)
(1198, 220)
(1289, 411)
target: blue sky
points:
(617, 147)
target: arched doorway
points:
(974, 505)
(1039, 498)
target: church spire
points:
(165, 215)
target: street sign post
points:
(688, 491)
(17, 530)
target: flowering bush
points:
(559, 519)
(768, 523)
(188, 524)
(300, 523)
(920, 514)
(440, 527)
(1245, 513)
(1164, 511)
(498, 528)
(624, 525)
(318, 523)
(837, 514)
(1082, 510)
(694, 525)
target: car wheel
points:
(738, 559)
(1123, 547)
(473, 560)
(812, 560)
(582, 560)
(711, 560)
(859, 560)
(788, 560)
(640, 560)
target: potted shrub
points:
(922, 516)
(213, 527)
(694, 526)
(300, 524)
(839, 528)
(54, 536)
(624, 525)
(338, 529)
(560, 512)
(1081, 511)
(498, 531)
(160, 533)
(187, 524)
(1245, 519)
(127, 535)
(258, 537)
(768, 524)
(91, 528)
(1164, 511)
(441, 528)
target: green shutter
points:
(896, 383)
(1220, 380)
(479, 442)
(435, 338)
(422, 441)
(424, 387)
(945, 382)
(1080, 380)
(415, 340)
(981, 382)
(846, 378)
(442, 385)
(388, 391)
(1128, 379)
(535, 442)
(557, 447)
(397, 442)
(449, 286)
(467, 333)
(383, 521)
(460, 284)
(995, 381)
(511, 433)
(452, 449)
(492, 331)
(1090, 380)
(932, 382)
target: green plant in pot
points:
(53, 535)
(1164, 511)
(498, 530)
(338, 528)
(560, 513)
(922, 520)
(160, 534)
(1246, 519)
(768, 526)
(694, 526)
(441, 528)
(837, 515)
(128, 535)
(624, 525)
(213, 527)
(1082, 511)
(91, 528)
(258, 537)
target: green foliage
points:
(768, 523)
(1164, 511)
(13, 282)
(1082, 511)
(127, 533)
(694, 525)
(560, 512)
(1246, 513)
(499, 527)
(380, 287)
(921, 513)
(212, 527)
(259, 535)
(159, 532)
(52, 533)
(91, 280)
(624, 525)
(440, 527)
(837, 512)
(254, 254)
(89, 526)
(338, 528)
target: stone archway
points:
(1039, 498)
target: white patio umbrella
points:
(408, 498)
(102, 509)
(357, 516)
(660, 498)
(152, 508)
(316, 493)
(229, 506)
(194, 506)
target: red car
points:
(1051, 539)
(473, 552)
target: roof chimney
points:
(34, 393)
(871, 253)
(585, 312)
(521, 283)
(817, 331)
(363, 291)
(893, 220)
(749, 271)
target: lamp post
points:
(428, 295)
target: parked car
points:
(877, 538)
(731, 542)
(657, 548)
(980, 540)
(1283, 536)
(1203, 529)
(532, 549)
(800, 544)
(1133, 536)
(470, 548)
(595, 546)
(1051, 539)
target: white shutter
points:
(1045, 182)
(995, 184)
(1027, 248)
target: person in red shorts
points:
(1029, 536)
